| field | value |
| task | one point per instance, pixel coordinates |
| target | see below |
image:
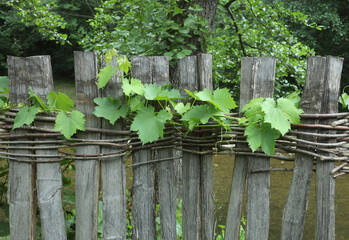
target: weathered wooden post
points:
(49, 175)
(191, 218)
(21, 187)
(113, 170)
(320, 95)
(331, 68)
(206, 165)
(257, 80)
(152, 70)
(195, 73)
(86, 171)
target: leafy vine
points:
(264, 119)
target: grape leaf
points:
(199, 113)
(169, 94)
(344, 100)
(3, 84)
(281, 115)
(223, 100)
(253, 110)
(149, 125)
(1, 102)
(181, 108)
(37, 101)
(59, 102)
(135, 86)
(151, 91)
(25, 115)
(136, 103)
(110, 109)
(68, 125)
(124, 64)
(295, 98)
(190, 93)
(261, 136)
(205, 95)
(105, 74)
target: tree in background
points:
(178, 28)
(333, 16)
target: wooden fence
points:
(36, 178)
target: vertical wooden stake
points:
(87, 171)
(49, 175)
(206, 165)
(296, 203)
(113, 171)
(191, 223)
(257, 80)
(21, 186)
(262, 71)
(325, 183)
(148, 70)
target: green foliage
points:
(267, 120)
(110, 109)
(149, 125)
(38, 12)
(3, 84)
(256, 28)
(25, 116)
(105, 74)
(68, 124)
(60, 101)
(344, 98)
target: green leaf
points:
(295, 98)
(68, 125)
(151, 91)
(1, 102)
(124, 64)
(135, 86)
(253, 110)
(110, 109)
(25, 115)
(3, 84)
(37, 101)
(136, 103)
(281, 116)
(149, 125)
(59, 102)
(200, 113)
(344, 100)
(190, 93)
(205, 95)
(261, 136)
(223, 100)
(105, 74)
(181, 108)
(169, 94)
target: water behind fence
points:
(155, 182)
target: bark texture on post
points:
(257, 80)
(206, 165)
(49, 175)
(325, 183)
(86, 171)
(151, 70)
(262, 71)
(296, 203)
(113, 171)
(191, 221)
(21, 183)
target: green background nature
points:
(288, 30)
